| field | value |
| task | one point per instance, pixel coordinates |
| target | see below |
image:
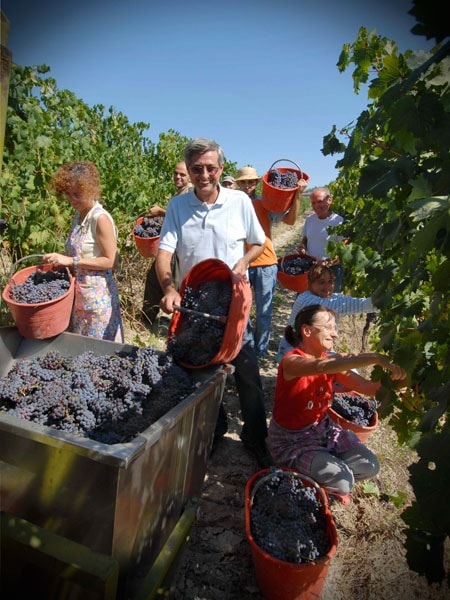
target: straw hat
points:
(228, 179)
(247, 173)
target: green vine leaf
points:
(393, 189)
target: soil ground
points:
(370, 560)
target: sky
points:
(259, 77)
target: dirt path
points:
(370, 560)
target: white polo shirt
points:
(318, 234)
(197, 231)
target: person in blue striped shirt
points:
(320, 291)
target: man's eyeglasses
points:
(198, 169)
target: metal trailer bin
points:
(120, 500)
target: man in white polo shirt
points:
(214, 222)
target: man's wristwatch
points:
(76, 260)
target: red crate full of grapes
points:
(279, 186)
(215, 336)
(39, 316)
(146, 234)
(293, 272)
(131, 502)
(292, 534)
(354, 411)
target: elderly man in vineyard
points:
(316, 235)
(214, 222)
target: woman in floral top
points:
(91, 253)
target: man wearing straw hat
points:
(263, 270)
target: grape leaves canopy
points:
(393, 188)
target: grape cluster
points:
(355, 408)
(287, 519)
(109, 399)
(41, 286)
(286, 180)
(149, 227)
(198, 339)
(296, 265)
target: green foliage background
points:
(393, 189)
(47, 127)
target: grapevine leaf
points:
(389, 231)
(420, 188)
(431, 419)
(425, 238)
(406, 140)
(344, 58)
(393, 68)
(39, 238)
(406, 355)
(398, 499)
(441, 277)
(331, 144)
(371, 488)
(424, 208)
(379, 176)
(429, 476)
(428, 518)
(425, 554)
(43, 141)
(359, 259)
(430, 23)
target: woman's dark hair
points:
(305, 316)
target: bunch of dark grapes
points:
(355, 408)
(287, 519)
(296, 265)
(198, 339)
(108, 398)
(286, 180)
(41, 286)
(274, 178)
(149, 227)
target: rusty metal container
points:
(121, 500)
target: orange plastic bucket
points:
(238, 315)
(41, 320)
(147, 246)
(280, 580)
(277, 199)
(363, 433)
(296, 283)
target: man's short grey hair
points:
(200, 146)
